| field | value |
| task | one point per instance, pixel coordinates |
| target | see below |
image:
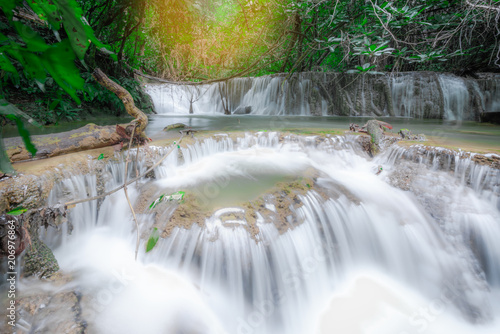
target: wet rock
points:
(174, 126)
(11, 234)
(39, 260)
(405, 133)
(46, 312)
(374, 130)
(283, 198)
(408, 135)
(491, 160)
(243, 110)
(403, 175)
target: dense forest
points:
(49, 48)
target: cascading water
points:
(417, 95)
(257, 96)
(356, 255)
(455, 98)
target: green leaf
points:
(25, 135)
(47, 10)
(177, 196)
(54, 104)
(32, 64)
(8, 7)
(5, 166)
(6, 65)
(72, 21)
(153, 239)
(32, 39)
(59, 62)
(101, 156)
(17, 211)
(155, 203)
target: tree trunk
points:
(140, 118)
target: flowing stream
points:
(360, 255)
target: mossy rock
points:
(174, 126)
(39, 260)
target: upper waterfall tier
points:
(412, 94)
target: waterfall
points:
(340, 250)
(266, 95)
(455, 97)
(416, 95)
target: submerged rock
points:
(277, 206)
(242, 110)
(50, 312)
(174, 126)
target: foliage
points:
(25, 52)
(153, 239)
(49, 47)
(205, 39)
(361, 36)
(38, 56)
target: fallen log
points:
(88, 137)
(85, 138)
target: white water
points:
(369, 259)
(261, 96)
(455, 97)
(426, 95)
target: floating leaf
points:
(17, 211)
(153, 239)
(101, 156)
